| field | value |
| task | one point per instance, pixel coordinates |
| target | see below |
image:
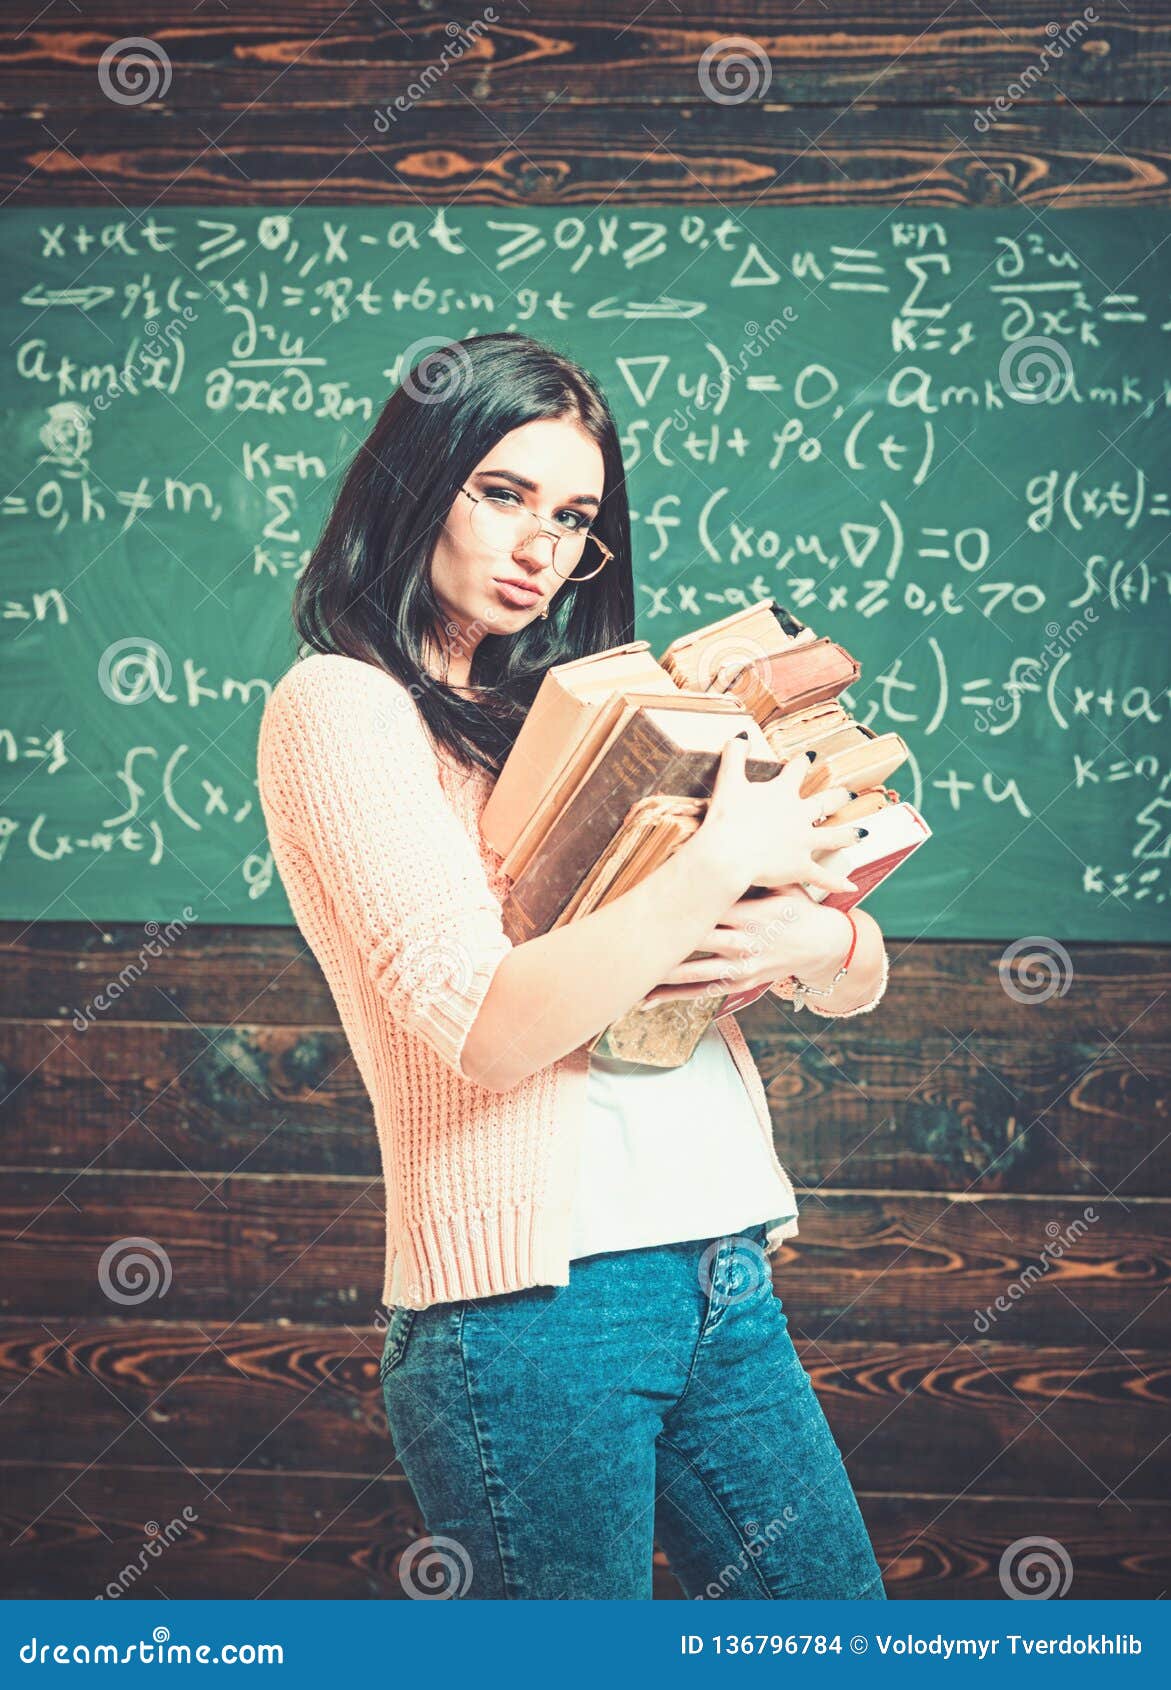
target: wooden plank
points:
(852, 1106)
(310, 54)
(282, 1536)
(267, 976)
(701, 156)
(1007, 1419)
(928, 1266)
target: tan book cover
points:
(567, 702)
(608, 722)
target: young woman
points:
(583, 1345)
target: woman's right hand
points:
(769, 829)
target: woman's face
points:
(549, 467)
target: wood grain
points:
(1005, 1418)
(311, 54)
(80, 1533)
(701, 156)
(214, 1106)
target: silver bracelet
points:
(801, 991)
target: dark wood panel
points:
(243, 1247)
(313, 54)
(703, 156)
(1007, 1419)
(945, 1547)
(862, 1105)
(267, 976)
(71, 1533)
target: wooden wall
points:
(941, 1146)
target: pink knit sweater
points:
(376, 838)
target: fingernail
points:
(811, 755)
(861, 832)
(743, 734)
(850, 794)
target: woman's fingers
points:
(831, 799)
(832, 838)
(820, 874)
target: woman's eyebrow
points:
(531, 486)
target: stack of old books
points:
(615, 760)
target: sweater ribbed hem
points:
(479, 1253)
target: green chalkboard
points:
(939, 437)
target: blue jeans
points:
(550, 1434)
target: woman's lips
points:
(519, 597)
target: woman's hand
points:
(759, 941)
(768, 830)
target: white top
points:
(669, 1154)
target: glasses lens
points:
(578, 556)
(502, 528)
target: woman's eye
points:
(500, 493)
(576, 520)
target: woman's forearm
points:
(551, 994)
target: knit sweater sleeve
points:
(349, 781)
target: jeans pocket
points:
(398, 1331)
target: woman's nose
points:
(537, 551)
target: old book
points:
(675, 752)
(567, 703)
(702, 657)
(662, 1035)
(665, 1034)
(593, 743)
(806, 675)
(894, 833)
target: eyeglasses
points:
(503, 528)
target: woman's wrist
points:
(861, 981)
(839, 938)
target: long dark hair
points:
(366, 590)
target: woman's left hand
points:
(760, 941)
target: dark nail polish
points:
(743, 734)
(811, 755)
(862, 832)
(850, 794)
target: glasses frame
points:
(544, 527)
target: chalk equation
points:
(939, 439)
